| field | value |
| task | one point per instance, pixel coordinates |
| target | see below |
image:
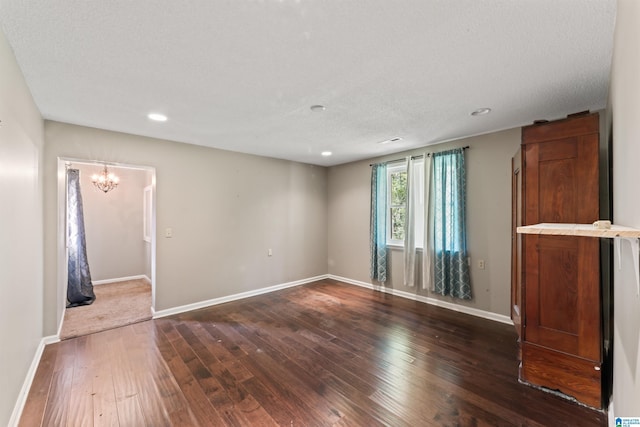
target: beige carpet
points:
(117, 304)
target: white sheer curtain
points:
(416, 219)
(410, 225)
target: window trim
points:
(399, 167)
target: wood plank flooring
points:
(323, 354)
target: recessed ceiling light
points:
(157, 117)
(481, 112)
(326, 153)
(388, 141)
(317, 108)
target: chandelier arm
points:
(105, 181)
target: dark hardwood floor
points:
(316, 355)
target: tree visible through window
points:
(397, 205)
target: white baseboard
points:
(51, 339)
(427, 300)
(120, 279)
(26, 386)
(57, 336)
(611, 415)
(229, 298)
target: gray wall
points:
(625, 106)
(226, 210)
(488, 220)
(21, 141)
(113, 223)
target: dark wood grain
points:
(562, 304)
(560, 129)
(575, 377)
(323, 354)
(516, 242)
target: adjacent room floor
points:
(117, 304)
(321, 354)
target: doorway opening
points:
(120, 245)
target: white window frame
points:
(402, 167)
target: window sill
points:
(396, 247)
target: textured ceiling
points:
(241, 74)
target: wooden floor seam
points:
(320, 354)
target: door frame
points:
(61, 260)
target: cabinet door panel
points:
(562, 300)
(562, 294)
(558, 293)
(559, 202)
(563, 187)
(561, 306)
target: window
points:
(397, 202)
(397, 188)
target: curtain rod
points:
(419, 156)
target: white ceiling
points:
(241, 74)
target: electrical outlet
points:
(481, 264)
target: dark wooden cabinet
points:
(556, 301)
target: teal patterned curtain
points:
(451, 270)
(378, 230)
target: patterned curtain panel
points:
(378, 223)
(451, 270)
(79, 286)
(428, 250)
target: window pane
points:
(398, 188)
(397, 223)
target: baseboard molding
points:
(57, 336)
(51, 339)
(120, 279)
(427, 300)
(611, 415)
(26, 386)
(234, 297)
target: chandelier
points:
(105, 181)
